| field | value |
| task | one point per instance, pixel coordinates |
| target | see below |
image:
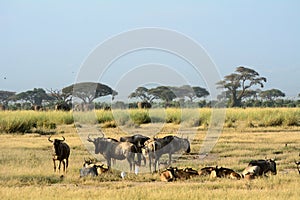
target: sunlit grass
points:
(27, 169)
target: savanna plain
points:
(27, 167)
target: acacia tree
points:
(88, 91)
(271, 94)
(5, 96)
(237, 84)
(190, 92)
(35, 96)
(164, 93)
(143, 94)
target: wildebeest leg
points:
(145, 162)
(150, 163)
(59, 163)
(67, 163)
(156, 164)
(139, 157)
(170, 158)
(64, 165)
(54, 164)
(109, 162)
(130, 160)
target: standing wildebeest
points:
(111, 149)
(155, 148)
(264, 166)
(138, 140)
(61, 152)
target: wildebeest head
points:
(56, 143)
(272, 166)
(100, 143)
(186, 145)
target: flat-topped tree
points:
(143, 94)
(5, 95)
(272, 94)
(190, 92)
(35, 96)
(89, 91)
(237, 84)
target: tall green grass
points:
(28, 121)
(33, 121)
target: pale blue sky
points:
(44, 43)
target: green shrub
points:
(140, 117)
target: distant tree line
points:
(240, 90)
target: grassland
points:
(27, 169)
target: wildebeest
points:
(112, 149)
(139, 141)
(206, 171)
(88, 171)
(61, 152)
(155, 148)
(93, 168)
(251, 172)
(173, 173)
(264, 166)
(223, 172)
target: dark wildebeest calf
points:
(61, 152)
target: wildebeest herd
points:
(137, 147)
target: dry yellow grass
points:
(27, 170)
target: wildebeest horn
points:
(102, 134)
(49, 139)
(90, 139)
(63, 138)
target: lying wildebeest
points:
(111, 149)
(93, 168)
(155, 148)
(61, 152)
(173, 173)
(138, 140)
(298, 166)
(250, 172)
(264, 166)
(93, 162)
(206, 171)
(224, 173)
(88, 171)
